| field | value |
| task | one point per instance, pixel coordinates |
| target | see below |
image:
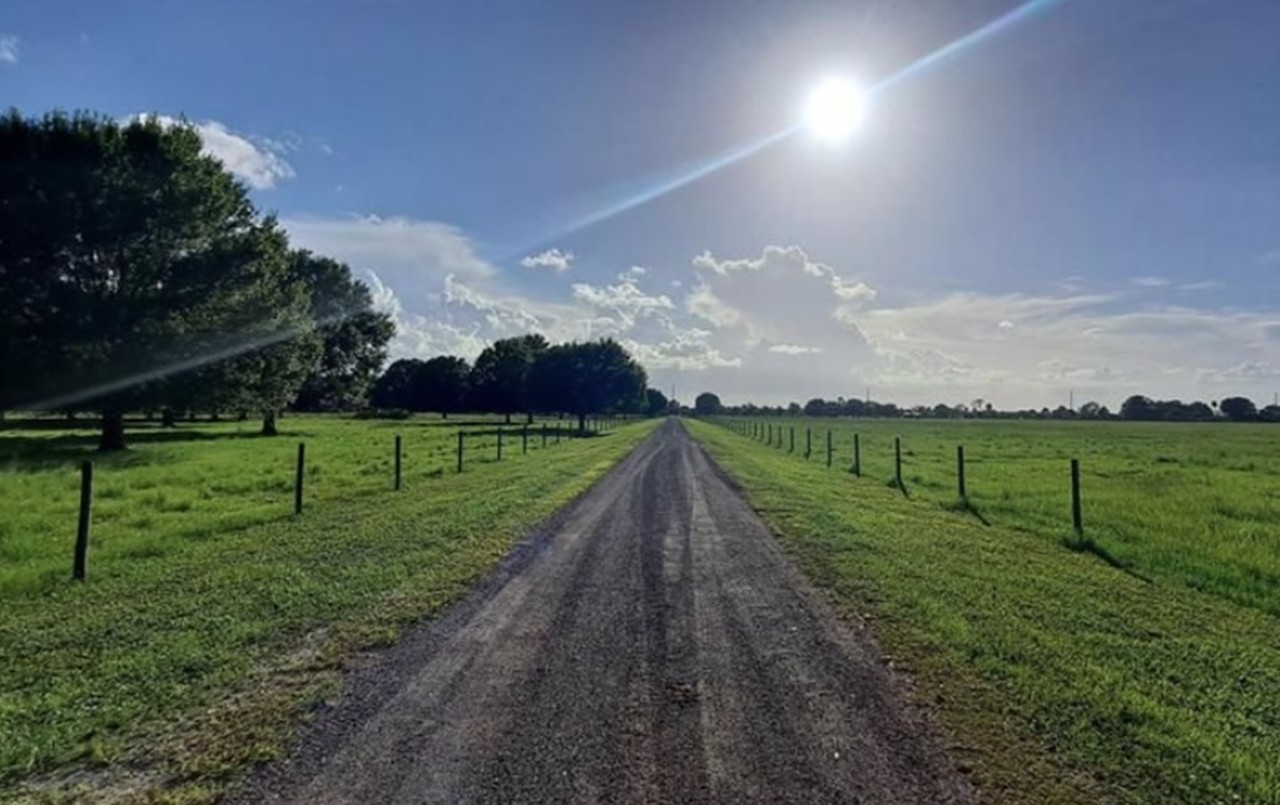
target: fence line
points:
(764, 432)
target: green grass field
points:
(182, 485)
(1060, 676)
(211, 613)
(1197, 505)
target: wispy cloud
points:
(1269, 258)
(8, 49)
(552, 259)
(1149, 282)
(1203, 285)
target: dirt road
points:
(652, 646)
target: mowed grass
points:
(212, 614)
(201, 480)
(1058, 676)
(1191, 504)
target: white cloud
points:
(623, 299)
(794, 349)
(407, 253)
(1149, 282)
(1054, 344)
(1269, 258)
(552, 259)
(9, 49)
(259, 167)
(1203, 285)
(703, 303)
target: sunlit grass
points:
(1045, 663)
(1195, 504)
(202, 583)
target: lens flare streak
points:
(999, 25)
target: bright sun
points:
(835, 109)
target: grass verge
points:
(1059, 677)
(163, 679)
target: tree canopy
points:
(584, 379)
(500, 380)
(707, 404)
(135, 273)
(354, 335)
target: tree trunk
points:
(582, 423)
(112, 437)
(508, 417)
(528, 417)
(215, 417)
(242, 416)
(70, 415)
(269, 424)
(444, 414)
(166, 418)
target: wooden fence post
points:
(544, 434)
(82, 527)
(828, 448)
(524, 439)
(397, 462)
(499, 444)
(459, 452)
(857, 457)
(964, 496)
(897, 464)
(297, 480)
(1076, 519)
(792, 443)
(808, 443)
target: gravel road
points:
(652, 644)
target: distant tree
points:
(706, 404)
(395, 388)
(656, 403)
(793, 409)
(1137, 407)
(1238, 409)
(126, 257)
(500, 377)
(815, 407)
(441, 384)
(1090, 410)
(589, 378)
(1270, 414)
(354, 335)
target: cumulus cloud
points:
(259, 166)
(9, 49)
(552, 259)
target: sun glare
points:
(835, 109)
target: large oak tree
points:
(127, 257)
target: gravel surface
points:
(651, 644)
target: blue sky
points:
(1087, 200)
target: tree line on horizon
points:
(522, 375)
(1136, 408)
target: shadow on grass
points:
(37, 453)
(964, 506)
(1082, 544)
